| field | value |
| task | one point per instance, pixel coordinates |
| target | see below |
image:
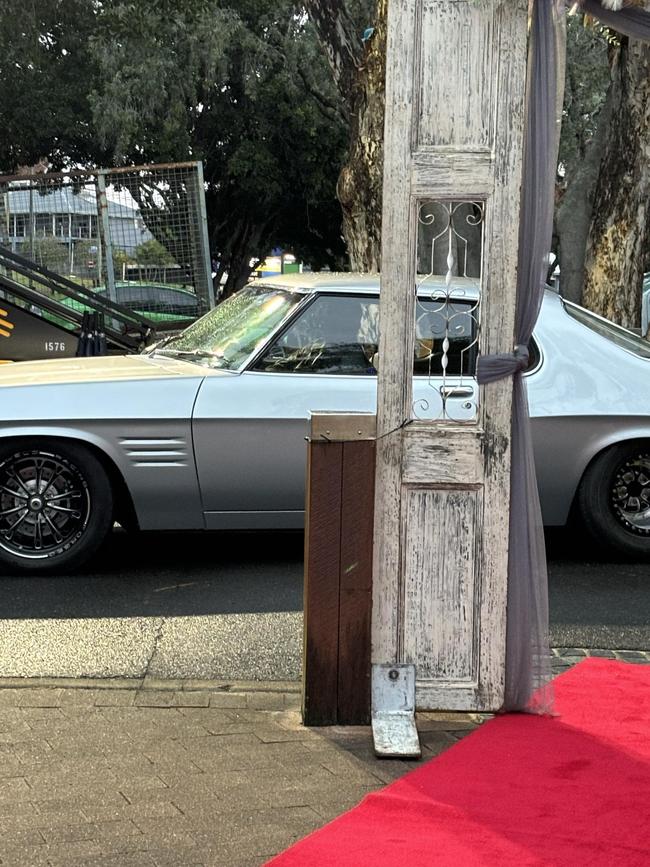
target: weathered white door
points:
(453, 153)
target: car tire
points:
(56, 506)
(614, 500)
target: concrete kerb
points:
(150, 691)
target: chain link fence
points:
(137, 235)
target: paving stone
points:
(208, 715)
(188, 699)
(278, 734)
(154, 698)
(120, 859)
(265, 701)
(124, 810)
(225, 727)
(228, 699)
(57, 855)
(78, 800)
(34, 697)
(9, 698)
(187, 858)
(78, 697)
(115, 698)
(606, 654)
(573, 660)
(74, 833)
(36, 820)
(631, 655)
(16, 808)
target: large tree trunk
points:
(574, 211)
(619, 236)
(246, 241)
(361, 179)
(359, 72)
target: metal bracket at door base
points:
(394, 732)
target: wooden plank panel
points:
(394, 386)
(322, 569)
(443, 173)
(357, 516)
(442, 529)
(457, 62)
(448, 457)
(497, 335)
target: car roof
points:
(346, 281)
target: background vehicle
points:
(159, 302)
(207, 430)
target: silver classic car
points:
(206, 430)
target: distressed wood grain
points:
(321, 588)
(355, 603)
(454, 129)
(442, 529)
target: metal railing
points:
(135, 235)
(45, 292)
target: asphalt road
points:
(228, 606)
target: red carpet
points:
(522, 790)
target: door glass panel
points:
(449, 263)
(335, 335)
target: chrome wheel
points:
(630, 494)
(44, 504)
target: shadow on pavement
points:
(168, 574)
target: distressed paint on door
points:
(454, 131)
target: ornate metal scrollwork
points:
(450, 249)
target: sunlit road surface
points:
(229, 606)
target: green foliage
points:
(152, 252)
(46, 73)
(47, 252)
(241, 84)
(244, 86)
(120, 258)
(587, 79)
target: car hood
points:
(119, 368)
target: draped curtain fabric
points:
(527, 674)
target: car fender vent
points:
(159, 452)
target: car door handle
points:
(456, 391)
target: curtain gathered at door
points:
(527, 675)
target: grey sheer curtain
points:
(527, 643)
(527, 673)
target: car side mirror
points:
(375, 360)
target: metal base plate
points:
(393, 712)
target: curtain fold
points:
(527, 675)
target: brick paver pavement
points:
(182, 773)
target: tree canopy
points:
(239, 84)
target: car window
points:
(445, 324)
(133, 294)
(339, 334)
(336, 334)
(225, 337)
(178, 299)
(618, 335)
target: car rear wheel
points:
(614, 499)
(56, 506)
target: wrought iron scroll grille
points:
(449, 262)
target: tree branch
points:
(338, 35)
(328, 108)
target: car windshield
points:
(226, 336)
(618, 335)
